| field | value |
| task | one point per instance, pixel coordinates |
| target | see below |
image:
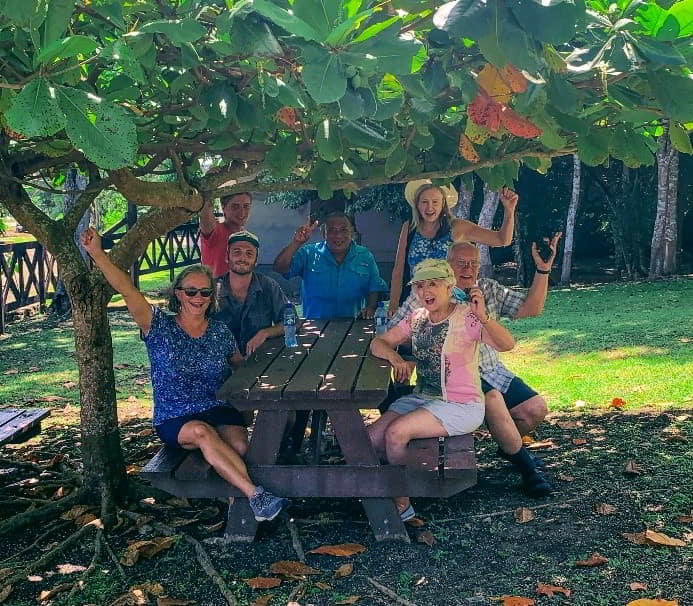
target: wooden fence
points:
(29, 273)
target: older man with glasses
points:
(513, 409)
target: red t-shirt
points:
(213, 249)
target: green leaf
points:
(498, 176)
(674, 94)
(680, 139)
(282, 158)
(396, 161)
(31, 13)
(375, 29)
(370, 104)
(105, 132)
(321, 176)
(188, 55)
(361, 134)
(682, 11)
(67, 47)
(466, 18)
(220, 101)
(124, 56)
(340, 33)
(351, 105)
(254, 39)
(321, 15)
(461, 80)
(562, 94)
(393, 54)
(550, 21)
(112, 12)
(434, 79)
(328, 141)
(323, 75)
(286, 20)
(35, 111)
(289, 94)
(57, 20)
(662, 53)
(177, 31)
(593, 146)
(508, 43)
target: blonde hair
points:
(174, 303)
(445, 213)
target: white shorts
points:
(457, 418)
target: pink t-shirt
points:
(447, 352)
(213, 249)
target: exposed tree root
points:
(200, 552)
(36, 516)
(55, 527)
(296, 540)
(389, 593)
(98, 543)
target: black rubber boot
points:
(538, 461)
(534, 482)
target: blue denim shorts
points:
(219, 415)
(456, 418)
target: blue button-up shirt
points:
(331, 289)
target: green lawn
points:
(633, 341)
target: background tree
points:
(570, 223)
(337, 94)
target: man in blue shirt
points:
(340, 277)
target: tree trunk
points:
(521, 249)
(664, 234)
(488, 211)
(570, 223)
(464, 202)
(104, 465)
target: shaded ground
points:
(480, 552)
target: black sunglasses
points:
(191, 292)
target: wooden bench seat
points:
(18, 425)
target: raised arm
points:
(138, 306)
(207, 219)
(283, 261)
(493, 332)
(396, 283)
(468, 230)
(536, 295)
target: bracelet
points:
(543, 272)
(488, 319)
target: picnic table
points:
(18, 425)
(331, 370)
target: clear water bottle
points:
(380, 319)
(290, 326)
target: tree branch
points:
(74, 215)
(241, 172)
(158, 194)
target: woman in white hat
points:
(433, 228)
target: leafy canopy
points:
(343, 93)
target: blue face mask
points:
(459, 295)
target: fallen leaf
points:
(579, 441)
(527, 440)
(59, 494)
(45, 595)
(415, 523)
(70, 568)
(514, 600)
(134, 469)
(145, 549)
(565, 477)
(5, 593)
(596, 559)
(605, 509)
(263, 582)
(523, 515)
(637, 586)
(632, 468)
(144, 433)
(650, 537)
(69, 385)
(617, 403)
(167, 601)
(84, 519)
(156, 589)
(34, 369)
(50, 399)
(568, 424)
(323, 586)
(34, 578)
(549, 590)
(74, 512)
(426, 536)
(344, 550)
(11, 371)
(142, 381)
(291, 568)
(344, 570)
(263, 600)
(651, 602)
(684, 519)
(545, 444)
(352, 599)
(120, 366)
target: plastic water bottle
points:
(290, 326)
(380, 319)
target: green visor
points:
(433, 269)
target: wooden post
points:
(131, 219)
(171, 257)
(41, 260)
(2, 294)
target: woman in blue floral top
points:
(433, 228)
(189, 356)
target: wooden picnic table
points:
(331, 370)
(18, 425)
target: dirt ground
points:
(639, 464)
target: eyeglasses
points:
(464, 263)
(192, 292)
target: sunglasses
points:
(192, 292)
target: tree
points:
(570, 223)
(336, 94)
(488, 211)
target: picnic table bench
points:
(331, 370)
(18, 425)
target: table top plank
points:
(274, 379)
(373, 379)
(8, 414)
(340, 379)
(241, 382)
(304, 384)
(22, 422)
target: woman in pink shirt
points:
(445, 337)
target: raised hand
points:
(304, 232)
(476, 303)
(553, 246)
(508, 198)
(91, 240)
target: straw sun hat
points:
(413, 187)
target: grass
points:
(631, 341)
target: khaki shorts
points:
(457, 419)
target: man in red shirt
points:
(214, 235)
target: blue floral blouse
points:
(428, 248)
(186, 371)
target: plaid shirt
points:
(501, 302)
